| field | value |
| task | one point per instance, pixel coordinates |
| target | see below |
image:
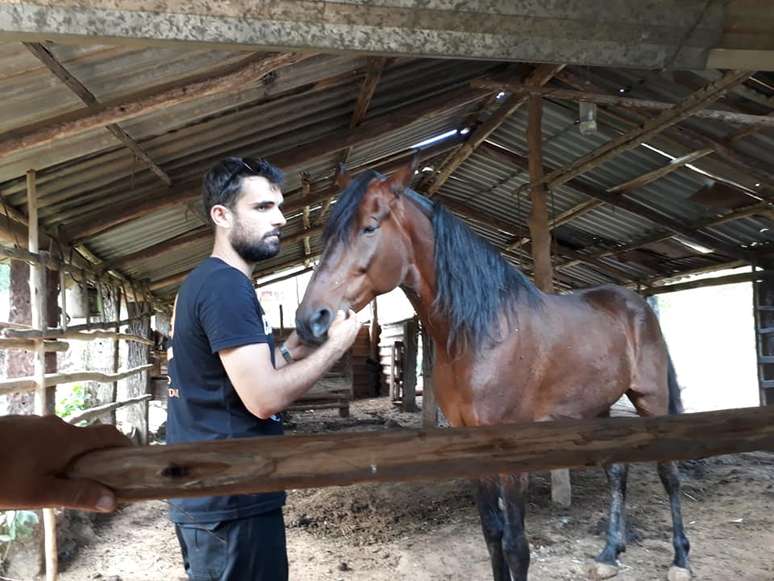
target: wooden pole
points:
(290, 462)
(429, 406)
(538, 220)
(44, 398)
(410, 336)
(116, 351)
(561, 488)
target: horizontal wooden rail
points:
(52, 262)
(102, 409)
(288, 462)
(29, 344)
(22, 384)
(74, 335)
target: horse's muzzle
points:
(312, 326)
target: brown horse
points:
(504, 351)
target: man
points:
(227, 380)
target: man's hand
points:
(343, 331)
(34, 453)
(298, 349)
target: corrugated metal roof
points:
(314, 100)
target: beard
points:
(252, 250)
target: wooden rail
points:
(21, 384)
(288, 462)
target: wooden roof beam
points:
(639, 209)
(539, 77)
(761, 208)
(753, 121)
(631, 139)
(686, 137)
(102, 115)
(97, 221)
(60, 72)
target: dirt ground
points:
(430, 530)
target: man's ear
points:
(221, 216)
(401, 179)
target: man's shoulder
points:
(213, 273)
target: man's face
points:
(255, 234)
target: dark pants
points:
(247, 549)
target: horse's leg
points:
(650, 404)
(670, 478)
(513, 489)
(492, 524)
(606, 563)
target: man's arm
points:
(265, 390)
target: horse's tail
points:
(675, 400)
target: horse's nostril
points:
(319, 322)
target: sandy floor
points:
(430, 531)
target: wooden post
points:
(44, 398)
(63, 290)
(20, 361)
(410, 336)
(374, 331)
(116, 351)
(763, 305)
(561, 490)
(429, 406)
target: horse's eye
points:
(370, 228)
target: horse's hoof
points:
(599, 571)
(679, 574)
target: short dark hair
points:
(223, 181)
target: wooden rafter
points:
(97, 221)
(60, 72)
(631, 139)
(72, 124)
(373, 75)
(755, 122)
(179, 277)
(675, 226)
(690, 139)
(761, 208)
(539, 77)
(638, 182)
(201, 233)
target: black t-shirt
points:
(216, 309)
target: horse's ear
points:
(342, 177)
(401, 179)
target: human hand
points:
(34, 453)
(343, 331)
(298, 349)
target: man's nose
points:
(280, 220)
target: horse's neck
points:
(419, 284)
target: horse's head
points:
(367, 251)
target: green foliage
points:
(16, 524)
(75, 402)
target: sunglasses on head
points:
(250, 165)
